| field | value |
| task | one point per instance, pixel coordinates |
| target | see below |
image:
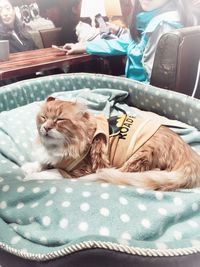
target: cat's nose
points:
(47, 128)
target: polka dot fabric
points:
(41, 219)
(43, 216)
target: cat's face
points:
(63, 123)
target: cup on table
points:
(4, 50)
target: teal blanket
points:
(60, 216)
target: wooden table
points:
(30, 62)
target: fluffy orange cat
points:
(79, 144)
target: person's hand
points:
(77, 48)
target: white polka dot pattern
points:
(51, 213)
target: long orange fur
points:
(164, 162)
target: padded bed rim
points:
(90, 245)
(102, 257)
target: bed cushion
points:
(47, 219)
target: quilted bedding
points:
(46, 219)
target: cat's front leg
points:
(36, 171)
(31, 167)
(99, 153)
(52, 174)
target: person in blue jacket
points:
(150, 19)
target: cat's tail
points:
(154, 179)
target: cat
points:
(77, 144)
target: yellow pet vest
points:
(125, 134)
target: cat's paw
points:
(52, 174)
(31, 167)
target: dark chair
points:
(51, 37)
(177, 61)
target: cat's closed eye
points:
(60, 119)
(43, 118)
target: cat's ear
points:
(86, 115)
(50, 98)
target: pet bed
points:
(77, 223)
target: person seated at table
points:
(150, 19)
(71, 20)
(12, 29)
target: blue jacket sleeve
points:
(105, 47)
